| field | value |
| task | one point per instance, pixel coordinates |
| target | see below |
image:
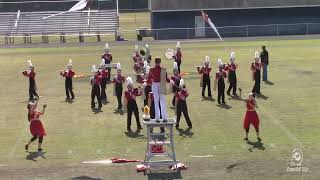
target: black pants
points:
(103, 89)
(132, 108)
(119, 90)
(206, 82)
(109, 74)
(257, 80)
(68, 87)
(179, 64)
(95, 92)
(32, 89)
(233, 83)
(147, 90)
(37, 137)
(221, 88)
(182, 107)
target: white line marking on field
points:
(108, 161)
(204, 156)
(282, 127)
(18, 142)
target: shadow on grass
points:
(68, 101)
(32, 156)
(262, 96)
(135, 134)
(86, 178)
(269, 83)
(256, 145)
(117, 111)
(237, 98)
(207, 99)
(232, 166)
(104, 102)
(185, 133)
(166, 176)
(225, 106)
(96, 110)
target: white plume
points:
(129, 80)
(147, 46)
(136, 48)
(30, 63)
(219, 62)
(102, 62)
(178, 45)
(175, 66)
(181, 82)
(94, 69)
(70, 63)
(106, 47)
(256, 54)
(118, 66)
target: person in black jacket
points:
(264, 56)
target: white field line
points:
(198, 156)
(281, 126)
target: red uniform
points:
(30, 74)
(97, 79)
(251, 116)
(137, 58)
(178, 56)
(155, 74)
(255, 66)
(36, 127)
(131, 94)
(103, 73)
(107, 57)
(67, 73)
(118, 80)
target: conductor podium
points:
(160, 151)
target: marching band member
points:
(178, 56)
(232, 77)
(36, 128)
(68, 74)
(137, 59)
(95, 82)
(205, 79)
(256, 70)
(147, 82)
(152, 110)
(149, 58)
(176, 77)
(104, 74)
(182, 104)
(159, 79)
(32, 83)
(107, 56)
(251, 116)
(118, 80)
(220, 75)
(132, 107)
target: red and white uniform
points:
(107, 57)
(36, 127)
(255, 66)
(68, 73)
(117, 80)
(30, 74)
(178, 56)
(96, 80)
(155, 74)
(231, 67)
(251, 116)
(137, 58)
(182, 95)
(131, 94)
(220, 75)
(103, 73)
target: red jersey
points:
(231, 67)
(178, 56)
(103, 73)
(107, 57)
(250, 104)
(118, 80)
(67, 73)
(30, 74)
(131, 94)
(205, 71)
(96, 80)
(255, 66)
(155, 74)
(221, 75)
(182, 94)
(137, 58)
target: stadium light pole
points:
(117, 2)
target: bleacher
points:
(70, 23)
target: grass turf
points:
(289, 114)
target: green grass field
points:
(289, 115)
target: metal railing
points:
(230, 31)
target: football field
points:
(214, 149)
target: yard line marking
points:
(204, 156)
(108, 161)
(18, 141)
(282, 127)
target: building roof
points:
(193, 5)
